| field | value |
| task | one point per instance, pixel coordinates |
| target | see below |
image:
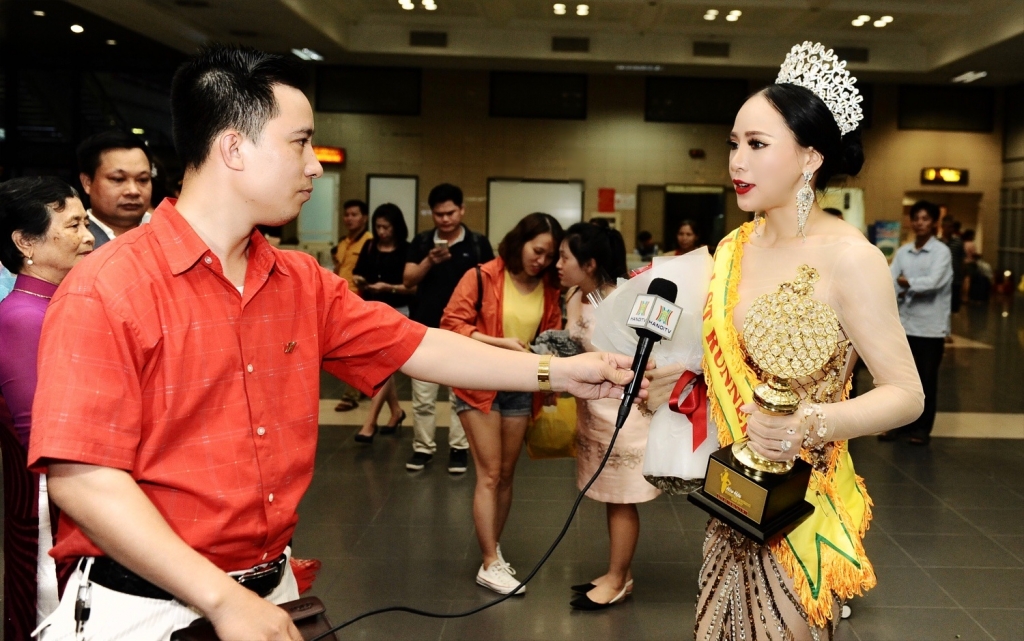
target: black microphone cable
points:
(458, 615)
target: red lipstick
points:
(742, 187)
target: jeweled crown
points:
(813, 67)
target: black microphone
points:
(654, 316)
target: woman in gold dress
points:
(788, 141)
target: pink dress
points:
(622, 479)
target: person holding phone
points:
(436, 261)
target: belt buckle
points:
(261, 572)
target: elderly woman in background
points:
(43, 234)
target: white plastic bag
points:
(670, 462)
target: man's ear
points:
(86, 181)
(228, 146)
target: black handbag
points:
(308, 614)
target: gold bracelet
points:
(544, 373)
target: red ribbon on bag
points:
(694, 406)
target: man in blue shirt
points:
(922, 272)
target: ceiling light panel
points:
(583, 9)
(880, 23)
(559, 9)
(77, 28)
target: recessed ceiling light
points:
(559, 9)
(138, 131)
(732, 17)
(39, 13)
(583, 9)
(886, 19)
(111, 42)
(857, 23)
(736, 12)
(970, 76)
(880, 23)
(709, 16)
(307, 54)
(863, 17)
(407, 4)
(429, 5)
(77, 28)
(713, 12)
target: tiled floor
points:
(947, 543)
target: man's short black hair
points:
(355, 202)
(644, 236)
(226, 87)
(90, 151)
(927, 207)
(443, 193)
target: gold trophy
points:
(788, 335)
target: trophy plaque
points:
(788, 335)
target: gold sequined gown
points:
(744, 592)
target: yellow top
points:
(348, 255)
(521, 314)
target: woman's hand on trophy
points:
(663, 381)
(777, 438)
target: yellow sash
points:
(824, 554)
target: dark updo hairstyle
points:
(511, 247)
(813, 125)
(603, 245)
(392, 214)
(26, 205)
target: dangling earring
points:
(804, 200)
(29, 261)
(759, 217)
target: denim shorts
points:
(506, 404)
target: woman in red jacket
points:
(505, 302)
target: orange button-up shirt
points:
(151, 361)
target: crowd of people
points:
(162, 388)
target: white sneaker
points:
(504, 562)
(498, 578)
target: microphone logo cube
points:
(641, 313)
(663, 322)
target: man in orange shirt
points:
(176, 408)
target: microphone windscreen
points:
(664, 288)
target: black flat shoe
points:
(582, 588)
(391, 429)
(363, 439)
(583, 602)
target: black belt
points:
(263, 579)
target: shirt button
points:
(208, 260)
(261, 431)
(271, 497)
(249, 368)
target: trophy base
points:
(757, 504)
